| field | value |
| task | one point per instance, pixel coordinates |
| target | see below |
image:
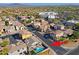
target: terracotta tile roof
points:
(14, 47)
(24, 32)
(58, 32)
(68, 31)
(17, 23)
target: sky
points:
(38, 4)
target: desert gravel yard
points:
(71, 44)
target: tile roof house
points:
(42, 25)
(18, 49)
(36, 46)
(25, 34)
(10, 30)
(68, 31)
(58, 33)
(23, 17)
(18, 25)
(58, 27)
(13, 27)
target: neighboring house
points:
(36, 24)
(68, 31)
(59, 33)
(66, 23)
(58, 27)
(14, 26)
(73, 21)
(19, 49)
(10, 28)
(25, 34)
(51, 15)
(38, 48)
(42, 25)
(25, 17)
(18, 25)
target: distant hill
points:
(36, 4)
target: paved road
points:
(4, 36)
(58, 50)
(74, 51)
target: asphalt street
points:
(74, 51)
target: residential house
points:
(68, 32)
(59, 33)
(11, 30)
(73, 21)
(19, 49)
(51, 15)
(23, 17)
(57, 27)
(18, 25)
(66, 23)
(25, 34)
(42, 25)
(26, 17)
(38, 48)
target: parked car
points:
(46, 36)
(49, 36)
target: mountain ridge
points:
(36, 4)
